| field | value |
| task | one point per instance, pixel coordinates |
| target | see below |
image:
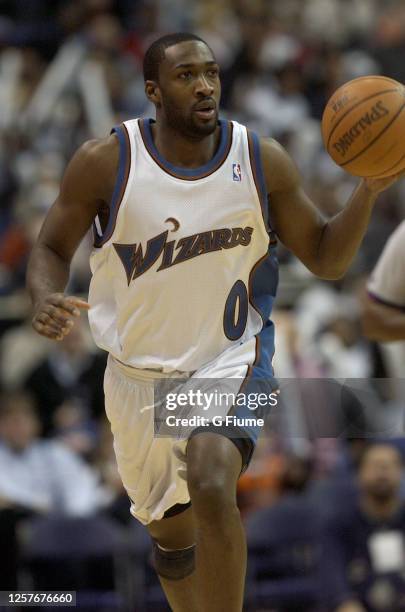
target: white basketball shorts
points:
(153, 469)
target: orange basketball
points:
(363, 126)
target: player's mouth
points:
(205, 110)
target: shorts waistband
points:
(143, 374)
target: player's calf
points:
(213, 467)
(174, 559)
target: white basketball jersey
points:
(185, 268)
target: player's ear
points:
(152, 92)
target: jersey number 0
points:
(238, 297)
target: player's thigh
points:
(174, 532)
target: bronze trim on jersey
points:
(249, 370)
(221, 161)
(130, 271)
(250, 281)
(115, 206)
(257, 350)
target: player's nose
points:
(203, 87)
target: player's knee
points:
(173, 564)
(211, 496)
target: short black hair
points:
(155, 54)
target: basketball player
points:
(185, 209)
(384, 310)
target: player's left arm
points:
(325, 246)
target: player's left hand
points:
(377, 185)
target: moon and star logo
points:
(176, 224)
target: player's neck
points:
(181, 151)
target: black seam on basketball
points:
(386, 170)
(374, 95)
(370, 144)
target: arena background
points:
(69, 71)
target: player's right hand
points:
(54, 316)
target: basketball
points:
(363, 127)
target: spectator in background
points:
(65, 386)
(36, 477)
(260, 486)
(40, 475)
(284, 543)
(389, 40)
(364, 542)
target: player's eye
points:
(185, 75)
(213, 73)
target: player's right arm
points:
(86, 190)
(325, 246)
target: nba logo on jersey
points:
(237, 173)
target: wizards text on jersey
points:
(176, 251)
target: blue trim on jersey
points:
(263, 284)
(260, 379)
(263, 195)
(189, 172)
(118, 187)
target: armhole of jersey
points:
(376, 298)
(258, 176)
(124, 160)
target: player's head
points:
(182, 79)
(380, 471)
(19, 423)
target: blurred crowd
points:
(71, 70)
